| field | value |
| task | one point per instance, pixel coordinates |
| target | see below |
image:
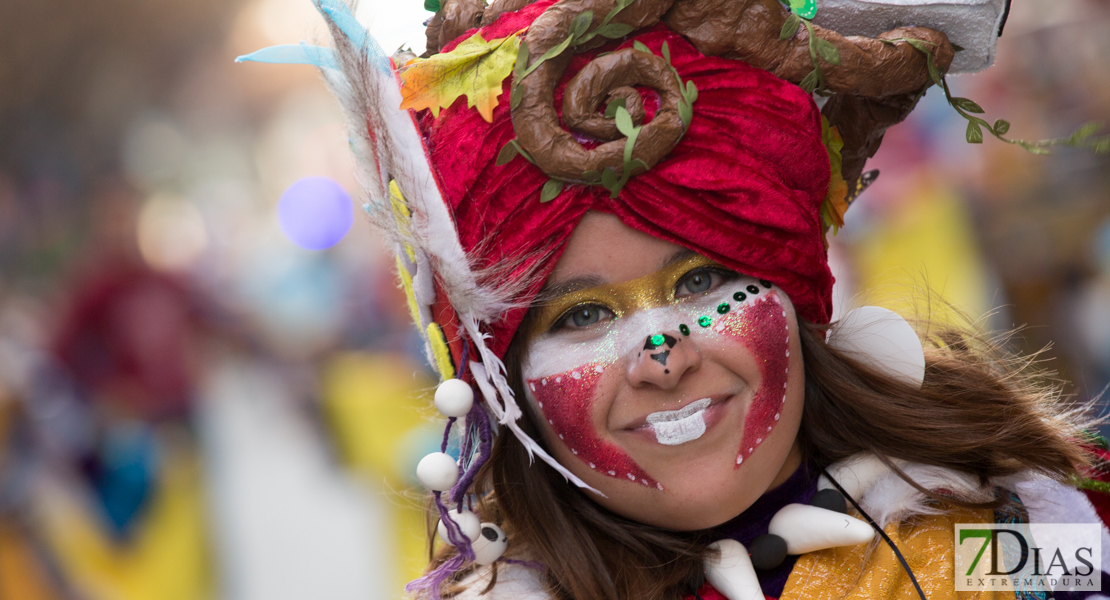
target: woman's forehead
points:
(603, 250)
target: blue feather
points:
(293, 54)
(339, 13)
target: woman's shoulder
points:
(511, 582)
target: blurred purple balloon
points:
(315, 213)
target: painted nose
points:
(663, 359)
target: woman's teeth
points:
(674, 427)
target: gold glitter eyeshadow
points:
(651, 291)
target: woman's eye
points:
(701, 281)
(584, 316)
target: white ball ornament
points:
(468, 523)
(437, 472)
(490, 544)
(454, 398)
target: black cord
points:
(876, 527)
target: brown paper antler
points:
(874, 86)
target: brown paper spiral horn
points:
(875, 85)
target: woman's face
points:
(667, 382)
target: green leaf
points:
(592, 176)
(1102, 146)
(611, 110)
(691, 94)
(581, 23)
(508, 152)
(552, 53)
(629, 144)
(809, 82)
(1086, 131)
(609, 179)
(641, 46)
(615, 30)
(521, 60)
(515, 96)
(431, 5)
(827, 51)
(686, 113)
(520, 150)
(957, 47)
(968, 105)
(624, 120)
(638, 164)
(790, 27)
(974, 133)
(934, 72)
(666, 53)
(551, 189)
(1001, 127)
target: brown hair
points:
(980, 411)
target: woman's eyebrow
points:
(589, 281)
(676, 257)
(569, 286)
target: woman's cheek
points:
(566, 401)
(763, 329)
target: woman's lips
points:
(686, 424)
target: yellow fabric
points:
(927, 238)
(872, 571)
(167, 559)
(444, 364)
(410, 294)
(401, 214)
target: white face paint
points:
(674, 427)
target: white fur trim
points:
(1049, 501)
(514, 582)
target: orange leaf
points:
(475, 69)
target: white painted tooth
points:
(808, 528)
(732, 573)
(856, 475)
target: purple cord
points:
(433, 581)
(531, 564)
(479, 417)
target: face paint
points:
(763, 328)
(564, 369)
(674, 427)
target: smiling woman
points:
(669, 373)
(636, 289)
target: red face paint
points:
(763, 329)
(567, 401)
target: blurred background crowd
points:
(205, 397)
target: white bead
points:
(490, 544)
(437, 472)
(454, 398)
(732, 572)
(468, 522)
(808, 528)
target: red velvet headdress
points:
(744, 186)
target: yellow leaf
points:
(475, 69)
(836, 201)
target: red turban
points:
(743, 187)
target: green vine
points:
(579, 35)
(1084, 137)
(819, 49)
(618, 111)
